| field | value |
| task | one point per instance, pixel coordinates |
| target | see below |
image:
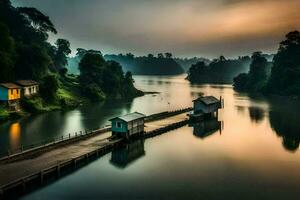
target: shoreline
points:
(17, 115)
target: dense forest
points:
(284, 78)
(220, 70)
(162, 64)
(25, 53)
(186, 63)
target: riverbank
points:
(68, 98)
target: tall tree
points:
(7, 54)
(258, 71)
(285, 76)
(62, 51)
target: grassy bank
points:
(68, 96)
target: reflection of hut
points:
(127, 154)
(205, 107)
(128, 125)
(206, 128)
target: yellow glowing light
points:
(15, 135)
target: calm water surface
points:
(249, 152)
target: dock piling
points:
(42, 176)
(58, 170)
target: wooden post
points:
(23, 185)
(42, 176)
(74, 162)
(58, 170)
(62, 137)
(69, 135)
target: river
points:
(249, 152)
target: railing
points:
(79, 135)
(51, 142)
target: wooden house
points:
(128, 125)
(29, 87)
(205, 106)
(10, 92)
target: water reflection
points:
(127, 154)
(207, 128)
(256, 114)
(285, 121)
(15, 135)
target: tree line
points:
(281, 76)
(162, 64)
(219, 70)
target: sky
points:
(186, 28)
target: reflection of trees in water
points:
(98, 114)
(256, 114)
(285, 121)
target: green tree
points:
(168, 55)
(258, 72)
(49, 87)
(160, 55)
(7, 54)
(61, 53)
(240, 82)
(285, 75)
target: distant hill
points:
(148, 65)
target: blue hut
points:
(128, 125)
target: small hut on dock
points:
(205, 107)
(128, 125)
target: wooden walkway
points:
(14, 171)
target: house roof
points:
(26, 82)
(130, 117)
(10, 86)
(208, 100)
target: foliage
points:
(255, 80)
(186, 63)
(7, 54)
(285, 77)
(99, 78)
(49, 87)
(218, 71)
(62, 50)
(148, 65)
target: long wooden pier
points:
(42, 163)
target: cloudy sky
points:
(185, 27)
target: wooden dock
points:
(38, 165)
